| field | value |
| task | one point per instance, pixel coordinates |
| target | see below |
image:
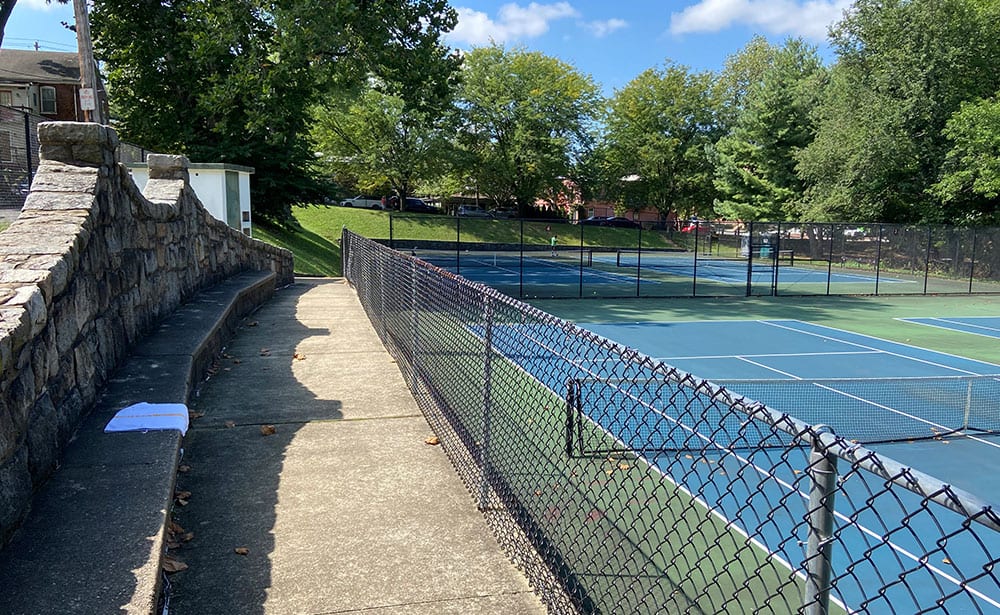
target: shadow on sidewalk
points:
(233, 468)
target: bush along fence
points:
(704, 259)
(622, 485)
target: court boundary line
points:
(912, 321)
(871, 337)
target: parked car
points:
(854, 232)
(365, 202)
(619, 222)
(593, 220)
(417, 206)
(469, 211)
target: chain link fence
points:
(19, 154)
(704, 259)
(621, 485)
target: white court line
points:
(954, 322)
(888, 352)
(780, 354)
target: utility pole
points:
(89, 99)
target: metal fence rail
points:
(703, 259)
(812, 524)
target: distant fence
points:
(19, 154)
(704, 260)
(622, 485)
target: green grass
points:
(3, 226)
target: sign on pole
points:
(87, 99)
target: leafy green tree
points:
(234, 81)
(741, 75)
(526, 118)
(755, 163)
(904, 68)
(659, 128)
(379, 140)
(970, 182)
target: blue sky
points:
(611, 41)
(615, 41)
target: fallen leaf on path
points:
(237, 361)
(188, 537)
(267, 430)
(265, 352)
(298, 356)
(195, 415)
(252, 323)
(184, 469)
(230, 424)
(171, 565)
(433, 441)
(175, 528)
(242, 551)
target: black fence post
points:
(638, 265)
(27, 148)
(972, 261)
(750, 259)
(819, 518)
(927, 257)
(878, 258)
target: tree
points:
(904, 68)
(658, 130)
(234, 81)
(970, 181)
(526, 119)
(755, 163)
(378, 139)
(742, 74)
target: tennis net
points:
(862, 410)
(665, 259)
(505, 259)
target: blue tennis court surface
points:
(983, 325)
(504, 269)
(729, 270)
(779, 363)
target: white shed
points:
(223, 188)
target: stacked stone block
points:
(90, 266)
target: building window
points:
(6, 98)
(48, 99)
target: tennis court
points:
(932, 410)
(644, 488)
(988, 326)
(572, 272)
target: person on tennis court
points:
(552, 242)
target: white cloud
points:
(808, 19)
(513, 22)
(600, 29)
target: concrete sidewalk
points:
(345, 508)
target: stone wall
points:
(90, 266)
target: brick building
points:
(45, 83)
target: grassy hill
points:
(313, 235)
